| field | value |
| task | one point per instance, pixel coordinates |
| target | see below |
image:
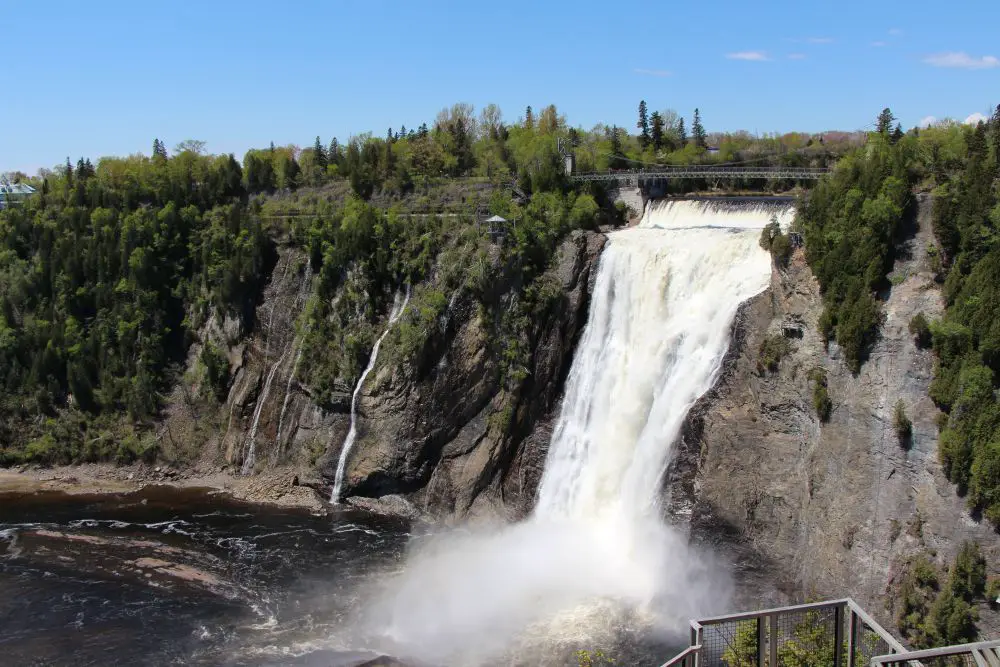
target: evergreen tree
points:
(69, 172)
(319, 154)
(884, 123)
(422, 132)
(682, 135)
(643, 124)
(897, 134)
(656, 131)
(333, 155)
(529, 118)
(402, 131)
(617, 159)
(995, 125)
(698, 131)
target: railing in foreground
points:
(979, 654)
(837, 633)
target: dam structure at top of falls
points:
(596, 546)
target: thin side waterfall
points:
(250, 446)
(398, 307)
(306, 286)
(596, 555)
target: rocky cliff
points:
(439, 433)
(837, 505)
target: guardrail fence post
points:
(852, 632)
(761, 640)
(838, 635)
(772, 643)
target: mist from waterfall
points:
(398, 308)
(596, 554)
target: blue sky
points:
(106, 77)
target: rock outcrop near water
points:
(438, 434)
(838, 506)
(444, 433)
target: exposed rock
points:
(434, 438)
(827, 500)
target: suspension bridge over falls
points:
(650, 176)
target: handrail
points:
(943, 651)
(848, 619)
(704, 170)
(684, 658)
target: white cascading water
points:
(596, 547)
(250, 446)
(306, 287)
(398, 307)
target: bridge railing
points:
(707, 171)
(986, 654)
(837, 633)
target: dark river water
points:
(188, 577)
(165, 577)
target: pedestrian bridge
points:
(638, 177)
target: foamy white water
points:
(596, 550)
(250, 446)
(398, 307)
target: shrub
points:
(216, 369)
(821, 396)
(920, 329)
(776, 243)
(772, 350)
(902, 425)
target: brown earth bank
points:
(275, 487)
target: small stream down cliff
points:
(596, 555)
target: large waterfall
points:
(596, 549)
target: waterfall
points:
(250, 446)
(596, 548)
(398, 307)
(659, 325)
(306, 285)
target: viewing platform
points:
(838, 633)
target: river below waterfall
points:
(169, 576)
(186, 577)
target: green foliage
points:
(772, 350)
(920, 329)
(902, 425)
(592, 658)
(216, 369)
(820, 395)
(101, 280)
(851, 221)
(776, 243)
(930, 613)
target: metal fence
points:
(821, 634)
(979, 654)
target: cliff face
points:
(446, 433)
(837, 505)
(440, 430)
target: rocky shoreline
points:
(278, 487)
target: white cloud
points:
(878, 44)
(756, 56)
(653, 72)
(927, 121)
(895, 32)
(820, 40)
(961, 60)
(796, 56)
(975, 119)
